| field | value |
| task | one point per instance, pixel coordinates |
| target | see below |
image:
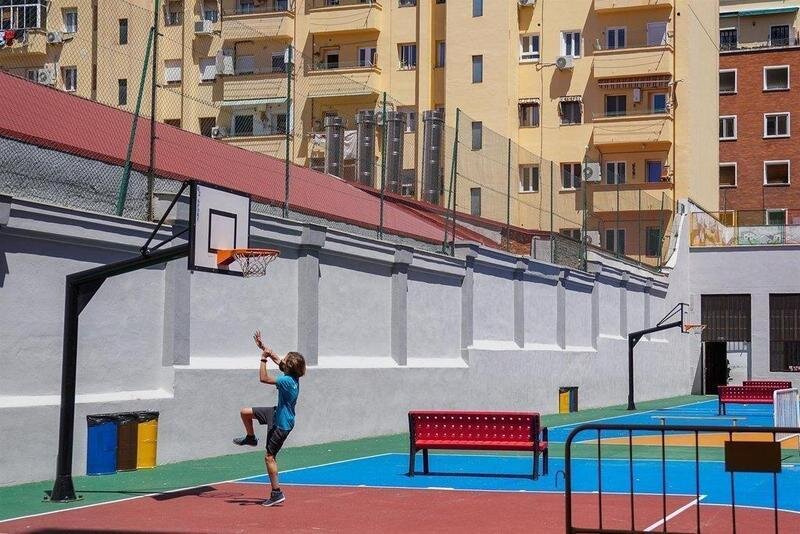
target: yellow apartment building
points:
(626, 88)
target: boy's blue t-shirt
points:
(288, 391)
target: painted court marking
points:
(674, 514)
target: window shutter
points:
(172, 70)
(208, 69)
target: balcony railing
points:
(601, 44)
(251, 9)
(731, 46)
(31, 15)
(745, 228)
(318, 4)
(632, 113)
(341, 65)
(272, 130)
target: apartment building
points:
(759, 68)
(626, 88)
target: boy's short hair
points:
(294, 364)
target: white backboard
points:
(220, 219)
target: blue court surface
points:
(512, 473)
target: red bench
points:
(486, 431)
(774, 384)
(743, 395)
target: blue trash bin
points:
(101, 445)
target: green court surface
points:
(26, 499)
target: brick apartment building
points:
(759, 85)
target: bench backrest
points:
(774, 384)
(743, 393)
(511, 427)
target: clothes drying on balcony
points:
(636, 82)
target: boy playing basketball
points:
(280, 418)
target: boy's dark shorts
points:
(265, 415)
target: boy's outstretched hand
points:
(257, 339)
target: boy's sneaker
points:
(276, 497)
(246, 440)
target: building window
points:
(207, 124)
(528, 178)
(278, 62)
(659, 102)
(776, 78)
(528, 114)
(776, 125)
(208, 69)
(366, 56)
(779, 35)
(173, 122)
(122, 92)
(408, 56)
(477, 8)
(572, 233)
(331, 59)
(784, 333)
(616, 105)
(70, 76)
(615, 172)
(775, 217)
(615, 240)
(570, 112)
(477, 69)
(32, 75)
(777, 172)
(727, 128)
(728, 39)
(655, 170)
(529, 48)
(70, 21)
(656, 33)
(652, 247)
(571, 175)
(411, 118)
(440, 53)
(477, 135)
(245, 6)
(245, 64)
(407, 3)
(172, 71)
(475, 201)
(727, 174)
(210, 11)
(123, 31)
(174, 13)
(727, 81)
(615, 38)
(571, 43)
(243, 125)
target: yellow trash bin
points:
(567, 399)
(148, 440)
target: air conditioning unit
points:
(2, 42)
(565, 62)
(637, 95)
(591, 172)
(203, 27)
(46, 76)
(218, 132)
(524, 3)
(55, 37)
(224, 62)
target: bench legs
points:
(425, 461)
(546, 461)
(535, 465)
(722, 410)
(411, 455)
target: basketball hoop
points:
(692, 328)
(252, 261)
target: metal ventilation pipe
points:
(365, 160)
(432, 142)
(334, 145)
(395, 124)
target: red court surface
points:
(235, 508)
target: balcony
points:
(271, 84)
(337, 16)
(622, 5)
(270, 21)
(744, 228)
(25, 43)
(635, 59)
(641, 126)
(271, 143)
(608, 199)
(342, 79)
(732, 45)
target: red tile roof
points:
(48, 117)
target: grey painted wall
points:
(386, 329)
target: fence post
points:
(383, 166)
(289, 128)
(552, 236)
(508, 198)
(639, 231)
(122, 193)
(154, 73)
(616, 227)
(661, 232)
(451, 194)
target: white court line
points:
(628, 415)
(322, 465)
(676, 513)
